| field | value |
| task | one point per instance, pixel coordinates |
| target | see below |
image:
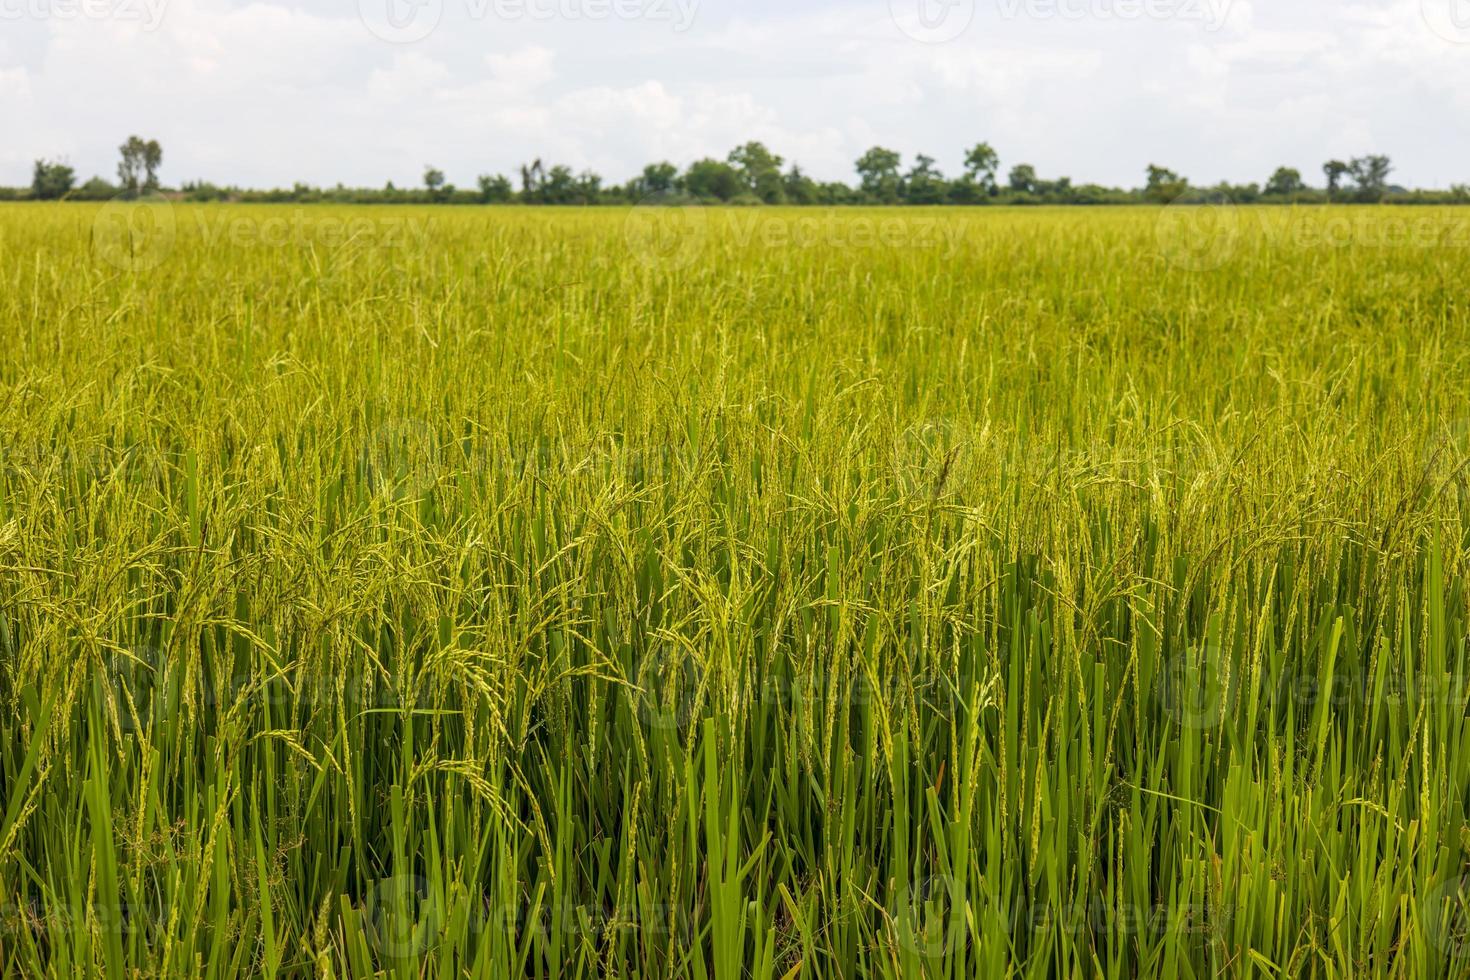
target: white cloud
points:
(268, 92)
(526, 68)
(412, 76)
(15, 86)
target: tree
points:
(1022, 178)
(878, 169)
(1227, 193)
(560, 186)
(759, 169)
(1285, 182)
(130, 168)
(494, 190)
(798, 188)
(138, 169)
(152, 160)
(1335, 170)
(52, 181)
(712, 178)
(533, 176)
(836, 192)
(924, 184)
(1370, 174)
(589, 187)
(1061, 187)
(1164, 185)
(657, 178)
(95, 189)
(434, 181)
(980, 166)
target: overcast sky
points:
(269, 92)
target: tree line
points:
(753, 174)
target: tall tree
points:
(712, 178)
(1334, 170)
(434, 182)
(1022, 178)
(494, 190)
(533, 176)
(589, 186)
(657, 178)
(130, 169)
(1370, 175)
(981, 162)
(152, 161)
(1164, 185)
(878, 169)
(760, 170)
(560, 186)
(924, 183)
(138, 169)
(1285, 182)
(52, 181)
(799, 188)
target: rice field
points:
(497, 592)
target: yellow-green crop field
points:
(486, 592)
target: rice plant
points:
(733, 594)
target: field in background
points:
(726, 594)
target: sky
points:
(266, 93)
